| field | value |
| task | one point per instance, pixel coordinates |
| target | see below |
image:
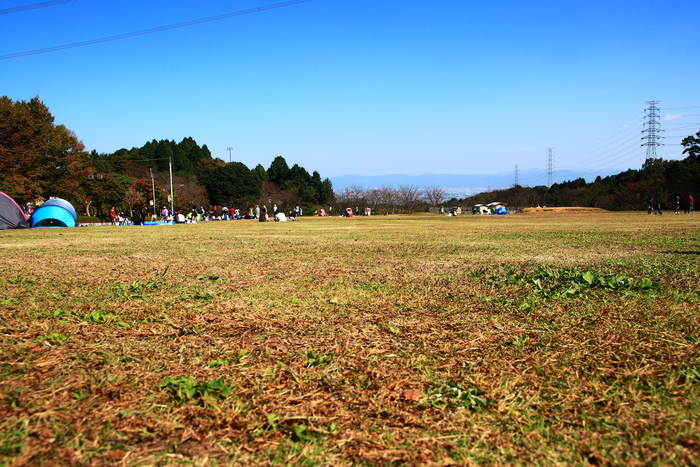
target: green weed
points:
(184, 389)
(454, 396)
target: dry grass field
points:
(562, 339)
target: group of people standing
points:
(689, 206)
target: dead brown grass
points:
(395, 340)
(561, 210)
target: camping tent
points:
(480, 209)
(55, 212)
(498, 208)
(11, 215)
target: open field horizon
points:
(568, 338)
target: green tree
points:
(279, 171)
(323, 188)
(260, 172)
(231, 184)
(164, 154)
(692, 145)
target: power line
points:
(683, 108)
(109, 161)
(33, 6)
(153, 30)
(628, 126)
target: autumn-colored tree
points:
(37, 157)
(133, 198)
(188, 193)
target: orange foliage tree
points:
(37, 157)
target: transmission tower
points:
(516, 178)
(550, 166)
(652, 130)
(229, 152)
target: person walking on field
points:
(691, 204)
(113, 216)
(651, 205)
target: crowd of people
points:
(347, 213)
(195, 215)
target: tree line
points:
(405, 199)
(658, 179)
(39, 160)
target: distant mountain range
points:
(457, 185)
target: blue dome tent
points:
(55, 212)
(11, 215)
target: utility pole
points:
(516, 178)
(172, 198)
(153, 190)
(229, 153)
(550, 166)
(652, 130)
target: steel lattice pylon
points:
(652, 130)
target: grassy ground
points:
(409, 340)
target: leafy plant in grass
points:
(56, 337)
(242, 354)
(302, 434)
(64, 315)
(564, 283)
(134, 290)
(570, 282)
(317, 359)
(99, 317)
(183, 389)
(454, 396)
(202, 296)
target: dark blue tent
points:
(55, 212)
(11, 215)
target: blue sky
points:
(368, 87)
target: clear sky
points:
(367, 87)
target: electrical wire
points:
(153, 30)
(683, 108)
(33, 6)
(36, 154)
